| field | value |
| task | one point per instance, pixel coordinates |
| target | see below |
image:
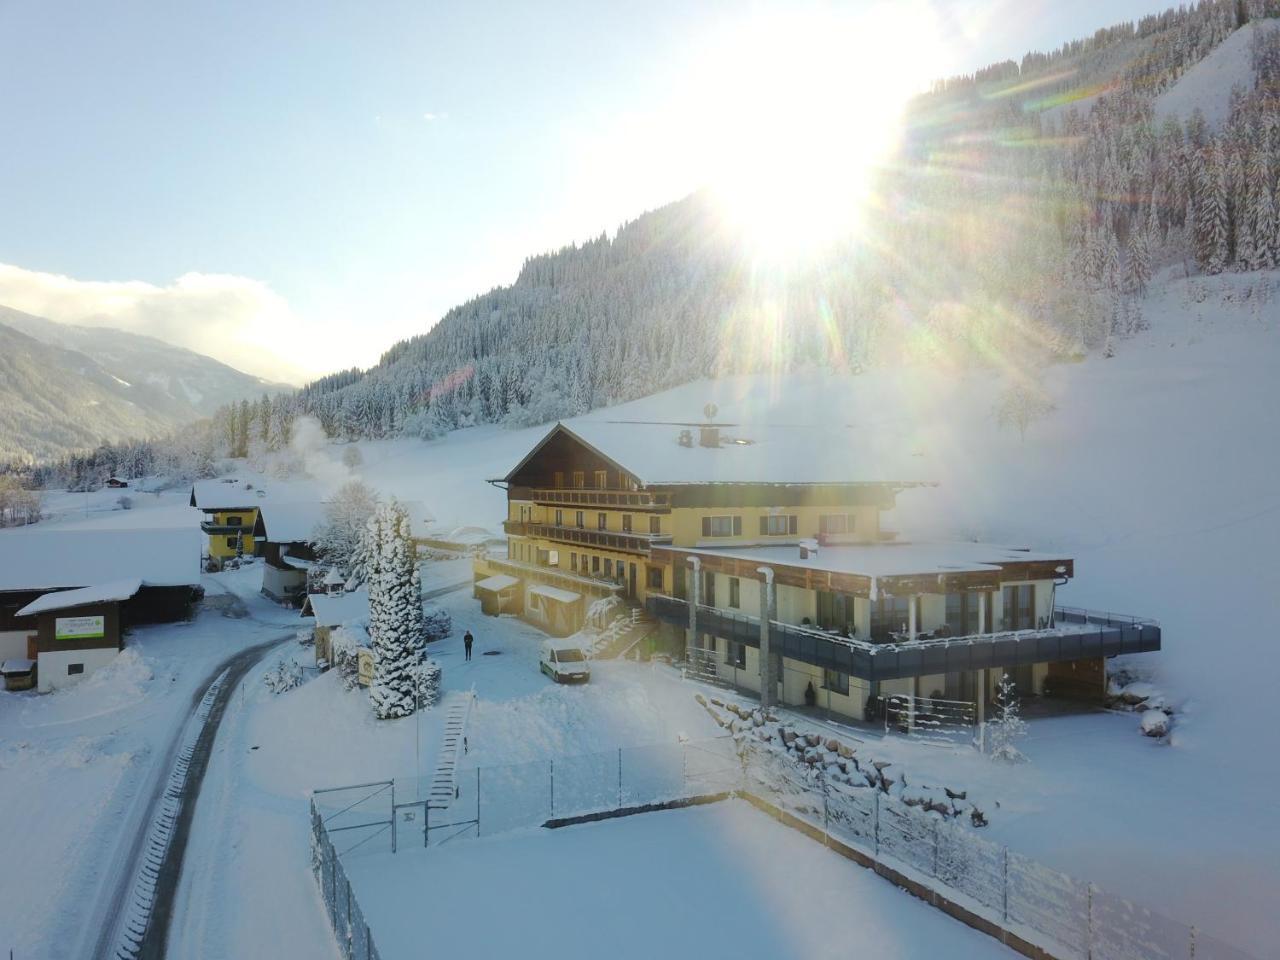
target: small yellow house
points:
(231, 512)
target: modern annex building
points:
(739, 540)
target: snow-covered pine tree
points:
(1008, 727)
(395, 612)
(1137, 272)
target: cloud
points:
(434, 116)
(237, 320)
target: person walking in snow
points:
(467, 640)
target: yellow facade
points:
(226, 542)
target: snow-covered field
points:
(1156, 472)
(718, 881)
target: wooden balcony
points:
(638, 543)
(593, 497)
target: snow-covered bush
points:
(428, 677)
(436, 624)
(1020, 405)
(286, 675)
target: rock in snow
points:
(1155, 723)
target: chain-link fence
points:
(349, 927)
(1068, 918)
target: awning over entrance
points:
(496, 583)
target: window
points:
(73, 668)
(890, 615)
(559, 479)
(602, 521)
(553, 558)
(559, 518)
(835, 681)
(573, 561)
(836, 612)
(608, 568)
(655, 524)
(626, 523)
(778, 524)
(234, 522)
(735, 599)
(962, 614)
(581, 520)
(708, 589)
(735, 654)
(836, 523)
(653, 578)
(722, 526)
(232, 541)
(595, 564)
(602, 479)
(579, 479)
(1020, 607)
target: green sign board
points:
(79, 628)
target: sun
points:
(800, 110)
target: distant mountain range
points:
(65, 387)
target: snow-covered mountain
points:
(68, 387)
(1025, 217)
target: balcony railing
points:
(1075, 635)
(626, 542)
(553, 576)
(581, 497)
(214, 527)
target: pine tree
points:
(1008, 727)
(1211, 213)
(1138, 264)
(395, 612)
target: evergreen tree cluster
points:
(396, 627)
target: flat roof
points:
(497, 582)
(887, 559)
(36, 559)
(555, 593)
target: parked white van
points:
(564, 662)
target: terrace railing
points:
(1075, 635)
(624, 541)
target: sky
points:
(292, 187)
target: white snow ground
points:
(717, 881)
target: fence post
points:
(877, 823)
(346, 936)
(619, 778)
(1192, 945)
(368, 941)
(1089, 933)
(551, 765)
(822, 782)
(477, 802)
(936, 825)
(1005, 887)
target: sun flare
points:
(802, 110)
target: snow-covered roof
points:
(290, 522)
(35, 559)
(334, 578)
(747, 453)
(497, 582)
(339, 609)
(224, 495)
(17, 665)
(893, 559)
(555, 593)
(65, 599)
